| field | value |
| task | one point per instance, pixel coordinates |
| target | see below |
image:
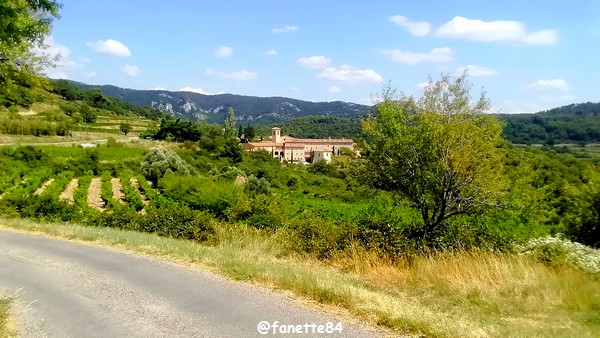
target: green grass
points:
(448, 295)
(117, 154)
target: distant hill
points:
(574, 123)
(212, 108)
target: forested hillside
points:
(574, 123)
(95, 98)
(213, 108)
(322, 127)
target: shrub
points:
(378, 235)
(557, 250)
(181, 222)
(158, 162)
(320, 237)
(111, 142)
(256, 186)
(201, 193)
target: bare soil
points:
(94, 198)
(67, 194)
(117, 190)
(41, 189)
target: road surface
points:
(69, 289)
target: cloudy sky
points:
(527, 55)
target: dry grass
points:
(6, 329)
(476, 294)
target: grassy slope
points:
(106, 125)
(460, 295)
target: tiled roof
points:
(288, 138)
(266, 144)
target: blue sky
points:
(527, 55)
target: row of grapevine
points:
(136, 191)
(107, 193)
(132, 196)
(58, 185)
(157, 200)
(81, 194)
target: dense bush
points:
(555, 250)
(180, 222)
(159, 162)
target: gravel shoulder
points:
(70, 289)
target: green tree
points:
(125, 128)
(249, 133)
(23, 26)
(87, 115)
(159, 162)
(233, 150)
(441, 152)
(230, 123)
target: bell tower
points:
(276, 134)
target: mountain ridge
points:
(212, 108)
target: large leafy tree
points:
(23, 26)
(159, 162)
(440, 152)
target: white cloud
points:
(473, 70)
(60, 56)
(158, 88)
(519, 107)
(56, 74)
(500, 30)
(294, 89)
(422, 85)
(553, 84)
(90, 74)
(109, 46)
(131, 70)
(543, 37)
(334, 89)
(348, 74)
(411, 58)
(271, 52)
(242, 75)
(223, 52)
(416, 28)
(197, 90)
(285, 29)
(317, 61)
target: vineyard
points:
(89, 193)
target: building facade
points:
(294, 150)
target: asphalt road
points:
(69, 289)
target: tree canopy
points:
(23, 26)
(440, 152)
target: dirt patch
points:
(134, 182)
(94, 198)
(117, 190)
(67, 195)
(41, 189)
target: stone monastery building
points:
(296, 150)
